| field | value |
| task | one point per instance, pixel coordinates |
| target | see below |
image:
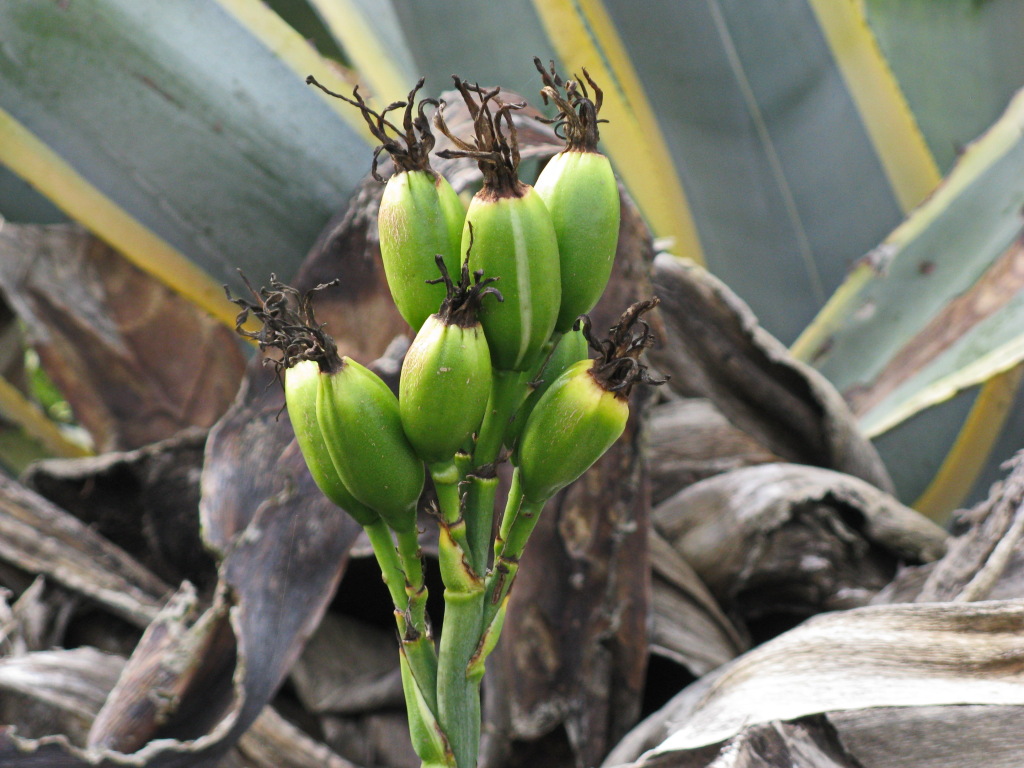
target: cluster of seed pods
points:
(497, 293)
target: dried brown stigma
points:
(289, 325)
(462, 302)
(577, 118)
(617, 366)
(494, 144)
(410, 145)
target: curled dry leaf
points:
(985, 561)
(688, 625)
(690, 440)
(145, 501)
(348, 666)
(273, 742)
(40, 538)
(716, 349)
(900, 685)
(283, 549)
(171, 678)
(136, 361)
(57, 691)
(792, 540)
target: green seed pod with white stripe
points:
(512, 234)
(516, 242)
(582, 196)
(585, 411)
(301, 382)
(360, 421)
(446, 375)
(420, 214)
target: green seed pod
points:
(585, 411)
(360, 421)
(307, 356)
(446, 375)
(570, 349)
(420, 214)
(516, 241)
(512, 235)
(301, 382)
(582, 196)
(574, 423)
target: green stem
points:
(415, 587)
(387, 558)
(521, 527)
(506, 562)
(448, 479)
(480, 519)
(458, 696)
(515, 498)
(416, 642)
(508, 390)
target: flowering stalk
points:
(482, 382)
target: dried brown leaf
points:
(136, 361)
(716, 349)
(780, 540)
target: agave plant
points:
(852, 176)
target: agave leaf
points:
(369, 32)
(189, 123)
(919, 664)
(958, 62)
(789, 136)
(585, 37)
(792, 141)
(18, 408)
(936, 309)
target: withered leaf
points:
(716, 349)
(136, 361)
(780, 540)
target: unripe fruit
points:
(582, 197)
(361, 425)
(301, 382)
(515, 240)
(514, 237)
(574, 423)
(570, 349)
(420, 216)
(579, 188)
(445, 378)
(586, 409)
